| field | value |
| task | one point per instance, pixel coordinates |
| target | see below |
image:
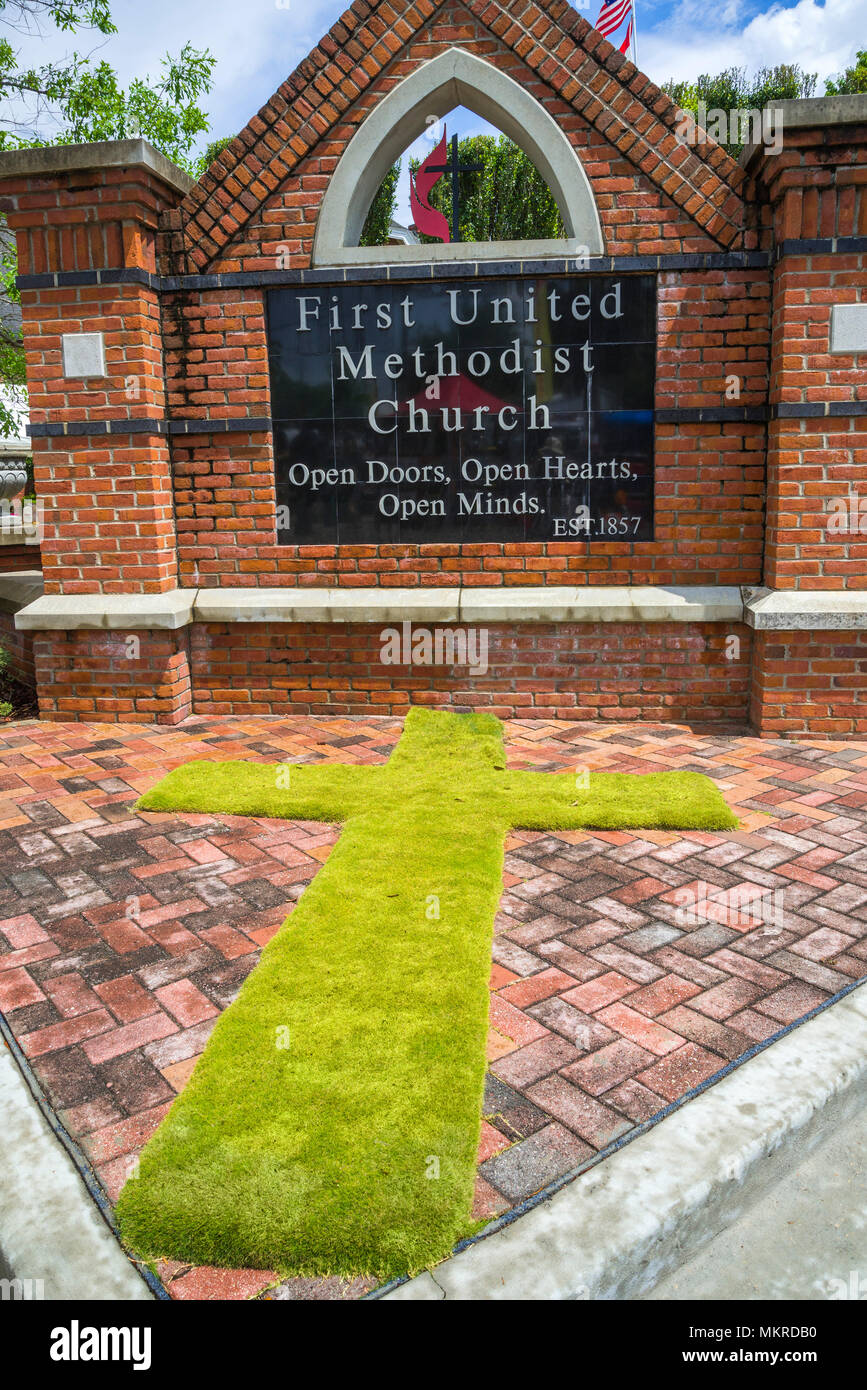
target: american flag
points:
(612, 15)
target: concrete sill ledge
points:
(788, 610)
(69, 612)
(763, 609)
(470, 605)
(18, 535)
(100, 154)
(18, 589)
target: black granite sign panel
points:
(464, 410)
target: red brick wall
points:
(712, 325)
(816, 462)
(102, 675)
(109, 523)
(109, 506)
(66, 233)
(819, 188)
(625, 671)
(551, 51)
(107, 498)
(15, 558)
(664, 671)
(133, 512)
(817, 471)
(637, 216)
(810, 683)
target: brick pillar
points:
(85, 218)
(810, 679)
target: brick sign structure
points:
(716, 571)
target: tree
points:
(13, 377)
(507, 201)
(210, 153)
(735, 90)
(76, 100)
(377, 226)
(25, 92)
(853, 80)
(93, 106)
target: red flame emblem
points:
(427, 219)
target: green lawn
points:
(331, 1125)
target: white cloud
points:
(822, 38)
(258, 43)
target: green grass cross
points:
(332, 1122)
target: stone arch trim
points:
(455, 77)
(581, 68)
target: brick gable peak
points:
(580, 66)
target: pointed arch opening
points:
(454, 78)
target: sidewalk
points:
(52, 1236)
(805, 1240)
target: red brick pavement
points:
(628, 968)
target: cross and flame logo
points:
(428, 219)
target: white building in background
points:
(398, 235)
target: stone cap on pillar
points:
(812, 113)
(810, 159)
(108, 198)
(47, 160)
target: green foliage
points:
(785, 82)
(88, 103)
(853, 80)
(380, 215)
(508, 201)
(76, 100)
(210, 152)
(5, 707)
(737, 90)
(13, 402)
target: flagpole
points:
(634, 33)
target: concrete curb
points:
(53, 1237)
(615, 1230)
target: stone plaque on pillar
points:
(83, 354)
(849, 328)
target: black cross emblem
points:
(454, 167)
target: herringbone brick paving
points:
(627, 967)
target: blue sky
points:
(259, 42)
